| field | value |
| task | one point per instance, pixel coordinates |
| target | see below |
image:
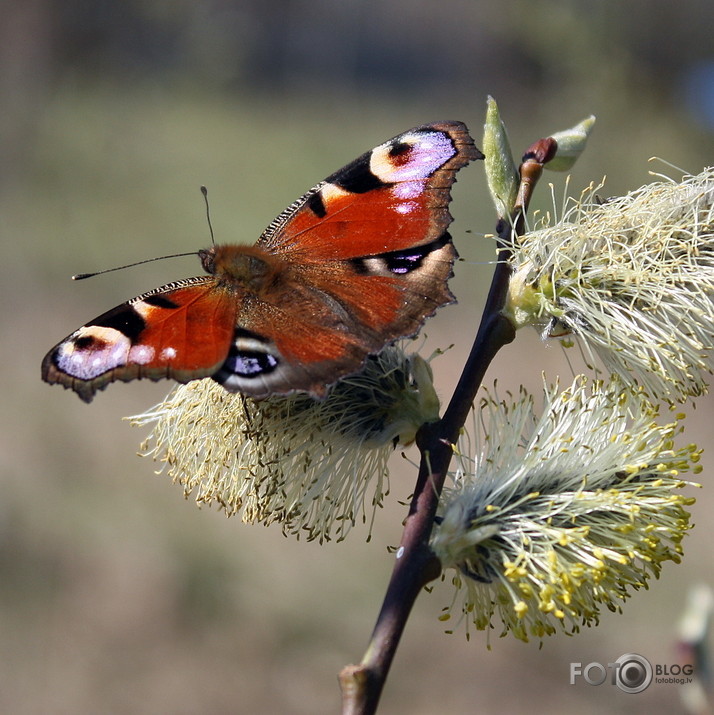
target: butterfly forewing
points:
(182, 331)
(393, 197)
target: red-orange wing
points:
(391, 198)
(182, 331)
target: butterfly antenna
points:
(204, 191)
(82, 276)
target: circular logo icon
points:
(634, 673)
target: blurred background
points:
(116, 594)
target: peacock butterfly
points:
(360, 260)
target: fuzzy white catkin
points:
(560, 512)
(632, 279)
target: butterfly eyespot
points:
(251, 364)
(404, 263)
(90, 352)
(251, 360)
(414, 155)
(399, 262)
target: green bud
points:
(571, 143)
(501, 170)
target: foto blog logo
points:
(632, 673)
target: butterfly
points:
(359, 261)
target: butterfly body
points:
(357, 262)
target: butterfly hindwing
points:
(327, 326)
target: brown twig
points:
(416, 565)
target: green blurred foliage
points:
(115, 594)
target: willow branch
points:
(416, 565)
